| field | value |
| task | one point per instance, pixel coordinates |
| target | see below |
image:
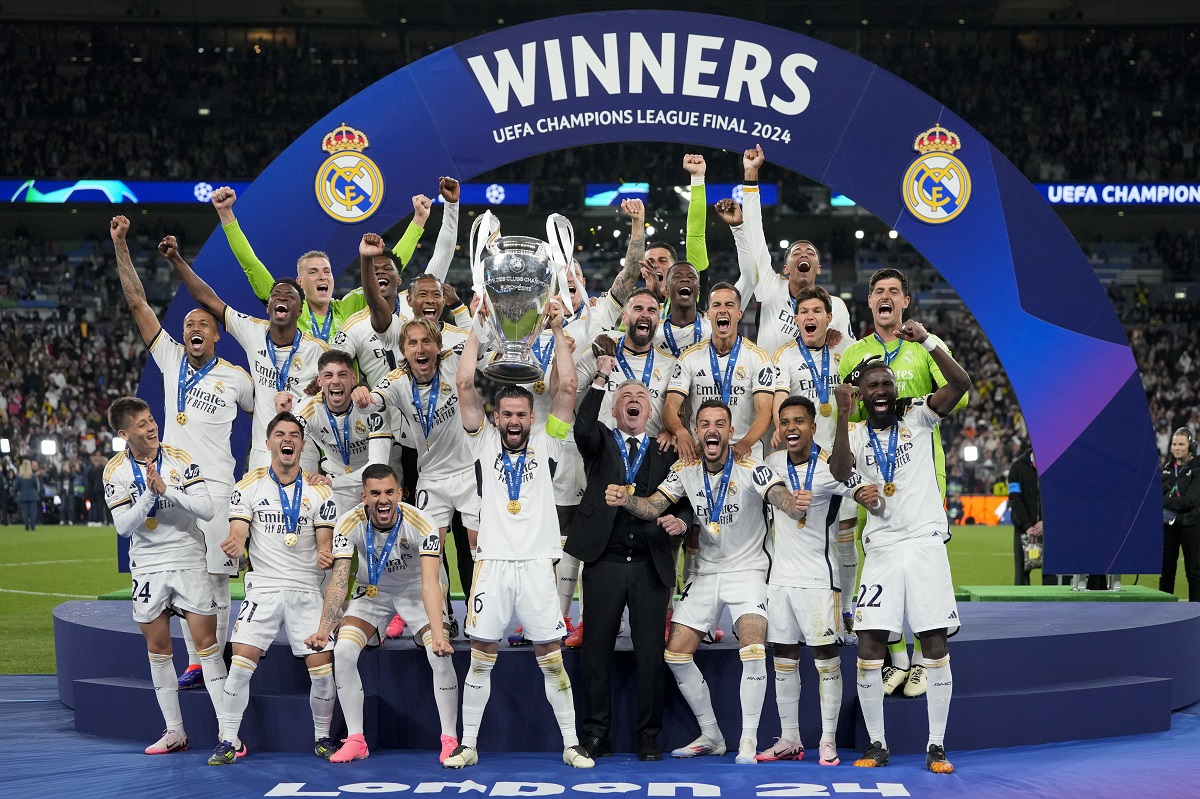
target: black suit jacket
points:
(593, 525)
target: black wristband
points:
(749, 182)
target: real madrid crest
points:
(349, 186)
(937, 186)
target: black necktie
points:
(632, 443)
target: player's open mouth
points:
(685, 292)
(810, 327)
(384, 510)
(422, 361)
(384, 283)
(792, 439)
(281, 310)
(322, 288)
(885, 307)
(803, 266)
(633, 411)
(723, 324)
(881, 404)
(337, 392)
(196, 340)
(642, 327)
(430, 311)
(712, 444)
(287, 449)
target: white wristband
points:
(929, 344)
(697, 180)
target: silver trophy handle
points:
(560, 235)
(484, 232)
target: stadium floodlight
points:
(970, 453)
(858, 234)
(49, 446)
(118, 444)
(651, 230)
(616, 234)
(5, 446)
(783, 244)
(892, 234)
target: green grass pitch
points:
(58, 564)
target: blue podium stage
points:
(1024, 673)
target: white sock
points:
(558, 693)
(166, 690)
(940, 684)
(870, 698)
(829, 675)
(695, 691)
(918, 657)
(215, 674)
(567, 573)
(754, 687)
(189, 643)
(349, 646)
(224, 605)
(235, 697)
(320, 699)
(847, 568)
(477, 689)
(445, 688)
(899, 655)
(787, 697)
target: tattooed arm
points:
(792, 503)
(335, 595)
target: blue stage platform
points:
(1024, 673)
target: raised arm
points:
(200, 291)
(131, 284)
(470, 404)
(694, 243)
(562, 404)
(958, 382)
(623, 285)
(407, 245)
(588, 437)
(261, 279)
(841, 459)
(443, 250)
(370, 248)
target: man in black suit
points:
(627, 561)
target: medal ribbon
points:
(669, 335)
(714, 509)
(342, 441)
(326, 327)
(887, 465)
(425, 417)
(647, 370)
(513, 474)
(631, 469)
(794, 478)
(375, 566)
(140, 481)
(291, 511)
(281, 375)
(820, 379)
(725, 386)
(543, 355)
(888, 357)
(186, 383)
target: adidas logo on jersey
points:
(828, 632)
(264, 502)
(954, 614)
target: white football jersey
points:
(175, 542)
(446, 451)
(275, 566)
(681, 337)
(417, 537)
(915, 510)
(795, 378)
(210, 407)
(661, 367)
(359, 339)
(753, 374)
(805, 555)
(252, 333)
(453, 338)
(740, 543)
(370, 441)
(531, 532)
(777, 317)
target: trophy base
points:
(513, 370)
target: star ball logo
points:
(937, 186)
(349, 185)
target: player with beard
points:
(514, 460)
(802, 588)
(778, 293)
(157, 495)
(289, 525)
(202, 394)
(322, 315)
(917, 374)
(812, 372)
(382, 536)
(727, 367)
(731, 568)
(341, 439)
(283, 360)
(906, 573)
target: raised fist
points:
(118, 227)
(694, 164)
(729, 211)
(449, 189)
(223, 198)
(634, 209)
(169, 247)
(371, 245)
(421, 206)
(753, 159)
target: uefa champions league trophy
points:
(517, 276)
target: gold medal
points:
(371, 591)
(629, 489)
(539, 387)
(714, 528)
(290, 539)
(889, 488)
(826, 409)
(803, 520)
(181, 418)
(514, 507)
(151, 523)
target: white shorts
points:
(811, 615)
(178, 591)
(569, 476)
(442, 495)
(378, 610)
(910, 579)
(527, 589)
(263, 612)
(702, 600)
(217, 530)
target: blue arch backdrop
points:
(822, 112)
